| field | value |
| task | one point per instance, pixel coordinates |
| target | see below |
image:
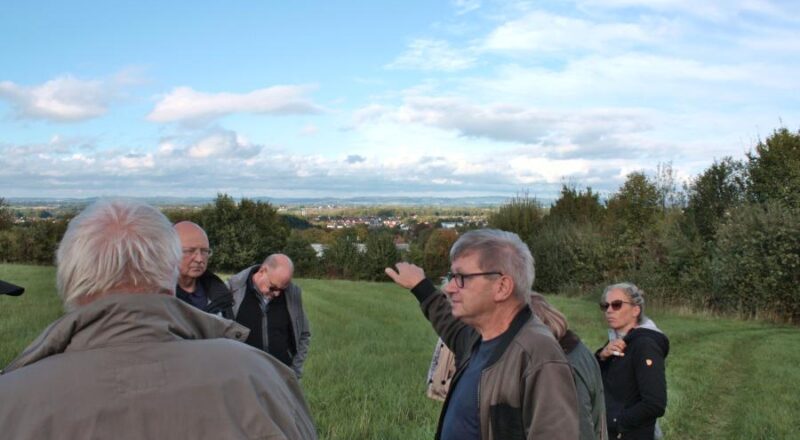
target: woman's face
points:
(625, 317)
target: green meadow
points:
(370, 349)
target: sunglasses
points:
(615, 305)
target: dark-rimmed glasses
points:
(460, 277)
(205, 252)
(615, 305)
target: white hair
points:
(117, 245)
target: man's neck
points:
(188, 284)
(496, 323)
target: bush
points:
(35, 242)
(381, 253)
(522, 215)
(342, 258)
(302, 254)
(242, 234)
(568, 255)
(756, 262)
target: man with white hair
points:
(129, 360)
(266, 301)
(512, 380)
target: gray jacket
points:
(294, 304)
(133, 366)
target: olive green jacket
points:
(136, 366)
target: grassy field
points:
(370, 351)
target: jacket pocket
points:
(506, 422)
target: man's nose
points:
(450, 287)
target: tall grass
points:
(370, 349)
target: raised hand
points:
(407, 275)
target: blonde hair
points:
(549, 315)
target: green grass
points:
(365, 376)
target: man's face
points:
(274, 281)
(195, 251)
(475, 298)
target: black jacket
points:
(635, 385)
(220, 300)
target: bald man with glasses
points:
(197, 285)
(268, 303)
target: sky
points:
(384, 98)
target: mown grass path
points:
(365, 376)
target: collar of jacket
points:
(507, 336)
(122, 318)
(569, 341)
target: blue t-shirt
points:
(462, 419)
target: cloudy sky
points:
(365, 98)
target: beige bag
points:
(443, 367)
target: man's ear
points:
(504, 289)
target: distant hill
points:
(482, 201)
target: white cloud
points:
(711, 10)
(214, 144)
(182, 166)
(186, 104)
(466, 6)
(309, 130)
(559, 133)
(541, 31)
(63, 99)
(427, 54)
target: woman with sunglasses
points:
(632, 365)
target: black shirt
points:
(198, 298)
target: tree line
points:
(728, 240)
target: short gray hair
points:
(116, 244)
(635, 294)
(499, 251)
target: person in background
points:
(197, 285)
(632, 365)
(129, 360)
(441, 372)
(585, 370)
(512, 379)
(268, 303)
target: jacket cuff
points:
(423, 289)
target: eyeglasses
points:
(276, 289)
(615, 305)
(205, 252)
(460, 277)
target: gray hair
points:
(635, 294)
(114, 245)
(549, 315)
(499, 251)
